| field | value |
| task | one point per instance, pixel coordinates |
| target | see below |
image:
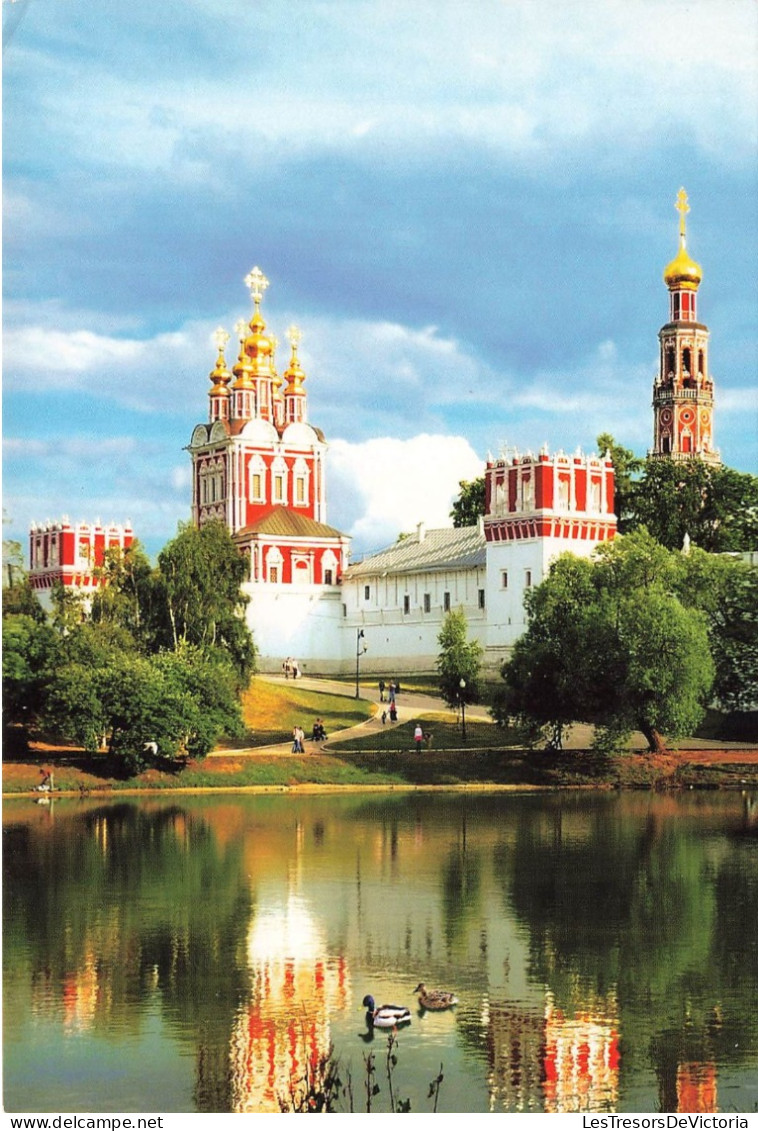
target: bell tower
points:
(683, 389)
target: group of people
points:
(392, 690)
(291, 667)
(392, 713)
(318, 734)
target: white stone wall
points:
(304, 622)
(398, 641)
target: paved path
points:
(411, 705)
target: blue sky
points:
(466, 207)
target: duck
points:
(434, 999)
(386, 1016)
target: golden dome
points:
(682, 271)
(220, 375)
(294, 372)
(243, 370)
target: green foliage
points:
(201, 572)
(21, 598)
(180, 701)
(459, 659)
(716, 507)
(129, 595)
(29, 649)
(626, 466)
(469, 506)
(612, 643)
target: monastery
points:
(258, 465)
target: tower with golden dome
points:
(683, 389)
(258, 467)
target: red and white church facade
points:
(258, 466)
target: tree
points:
(543, 684)
(129, 594)
(29, 651)
(469, 505)
(611, 643)
(459, 659)
(626, 466)
(201, 572)
(716, 507)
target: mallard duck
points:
(386, 1016)
(434, 999)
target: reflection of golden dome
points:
(683, 271)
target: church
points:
(259, 466)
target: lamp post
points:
(462, 686)
(358, 653)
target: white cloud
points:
(522, 79)
(385, 486)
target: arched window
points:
(274, 565)
(301, 475)
(257, 480)
(279, 482)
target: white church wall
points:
(401, 615)
(304, 622)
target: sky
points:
(466, 206)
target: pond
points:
(189, 954)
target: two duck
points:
(393, 1016)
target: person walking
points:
(393, 711)
(418, 737)
(381, 690)
(392, 692)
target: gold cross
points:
(220, 337)
(257, 283)
(240, 328)
(295, 336)
(682, 208)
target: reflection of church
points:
(284, 1026)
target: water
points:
(192, 954)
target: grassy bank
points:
(474, 767)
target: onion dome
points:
(220, 375)
(258, 345)
(243, 370)
(682, 271)
(278, 380)
(294, 373)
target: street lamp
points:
(358, 653)
(462, 686)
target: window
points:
(446, 602)
(427, 602)
(366, 592)
(279, 479)
(273, 574)
(528, 579)
(328, 577)
(504, 579)
(406, 604)
(278, 488)
(301, 483)
(481, 598)
(257, 479)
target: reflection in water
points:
(581, 1059)
(295, 991)
(218, 942)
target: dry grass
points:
(271, 710)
